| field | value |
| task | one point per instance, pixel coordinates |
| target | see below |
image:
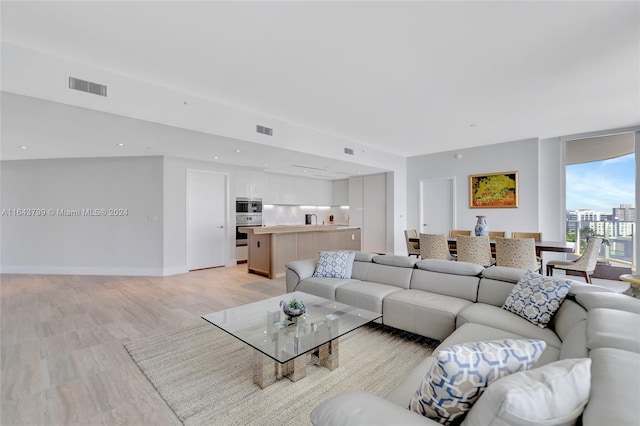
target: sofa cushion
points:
(493, 316)
(334, 264)
(494, 292)
(462, 373)
(554, 394)
(322, 287)
(460, 286)
(428, 314)
(614, 388)
(364, 294)
(390, 275)
(449, 267)
(392, 260)
(475, 332)
(536, 298)
(569, 314)
(613, 329)
(503, 273)
(363, 256)
(574, 344)
(407, 387)
(357, 408)
(596, 300)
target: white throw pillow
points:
(334, 264)
(536, 298)
(462, 372)
(552, 395)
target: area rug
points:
(205, 375)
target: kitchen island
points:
(271, 247)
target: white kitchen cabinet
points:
(323, 194)
(356, 201)
(375, 213)
(273, 195)
(340, 192)
(368, 210)
(250, 183)
(302, 188)
(298, 190)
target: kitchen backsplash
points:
(294, 215)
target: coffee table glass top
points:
(263, 326)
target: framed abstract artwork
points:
(493, 190)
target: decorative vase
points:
(481, 228)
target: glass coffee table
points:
(283, 347)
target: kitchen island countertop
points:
(285, 229)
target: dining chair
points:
(454, 233)
(495, 234)
(434, 246)
(516, 253)
(585, 264)
(537, 236)
(412, 248)
(474, 249)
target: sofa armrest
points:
(362, 408)
(297, 271)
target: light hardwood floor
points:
(62, 359)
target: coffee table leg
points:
(265, 370)
(328, 355)
(296, 369)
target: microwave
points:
(248, 205)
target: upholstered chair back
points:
(434, 246)
(474, 250)
(516, 253)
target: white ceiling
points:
(409, 78)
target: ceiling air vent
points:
(348, 151)
(264, 130)
(87, 86)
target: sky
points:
(601, 185)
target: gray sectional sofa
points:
(457, 302)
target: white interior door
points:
(206, 219)
(437, 205)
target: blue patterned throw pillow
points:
(333, 264)
(536, 298)
(461, 373)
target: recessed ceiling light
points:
(120, 144)
(24, 147)
(237, 150)
(266, 165)
(215, 158)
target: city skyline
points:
(601, 185)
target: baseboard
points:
(176, 270)
(82, 270)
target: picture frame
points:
(493, 190)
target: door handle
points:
(221, 226)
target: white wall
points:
(552, 193)
(101, 245)
(521, 156)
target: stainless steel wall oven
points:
(248, 205)
(246, 220)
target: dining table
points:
(552, 246)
